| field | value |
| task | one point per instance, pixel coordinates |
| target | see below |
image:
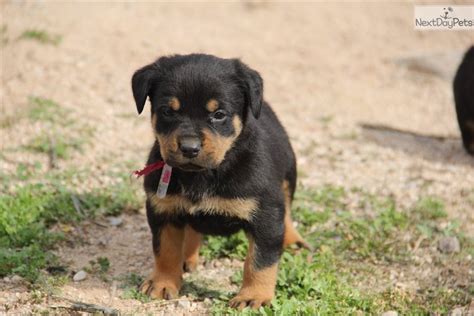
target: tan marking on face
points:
(258, 285)
(291, 234)
(166, 279)
(212, 105)
(168, 144)
(237, 207)
(216, 146)
(174, 104)
(192, 243)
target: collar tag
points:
(164, 181)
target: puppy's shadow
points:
(448, 150)
(200, 292)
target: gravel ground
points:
(329, 70)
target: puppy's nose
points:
(190, 146)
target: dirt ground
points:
(328, 70)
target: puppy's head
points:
(199, 106)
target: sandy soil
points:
(328, 69)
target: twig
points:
(93, 308)
(100, 224)
(53, 159)
(418, 243)
(77, 204)
(86, 307)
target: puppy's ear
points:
(252, 85)
(141, 84)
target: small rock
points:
(103, 242)
(185, 304)
(389, 313)
(457, 312)
(115, 221)
(226, 261)
(6, 280)
(12, 299)
(16, 279)
(79, 276)
(449, 245)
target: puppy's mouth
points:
(191, 167)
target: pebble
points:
(16, 279)
(115, 221)
(185, 304)
(449, 245)
(79, 276)
(389, 313)
(226, 261)
(457, 312)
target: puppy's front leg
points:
(261, 266)
(192, 242)
(165, 281)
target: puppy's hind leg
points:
(291, 234)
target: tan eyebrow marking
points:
(212, 105)
(174, 104)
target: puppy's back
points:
(464, 99)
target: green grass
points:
(41, 36)
(234, 246)
(51, 141)
(27, 214)
(38, 110)
(58, 146)
(430, 208)
(42, 109)
(129, 283)
(350, 245)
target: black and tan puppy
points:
(233, 169)
(464, 99)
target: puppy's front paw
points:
(254, 301)
(160, 289)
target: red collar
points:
(149, 168)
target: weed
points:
(234, 246)
(430, 208)
(99, 267)
(57, 146)
(42, 109)
(41, 36)
(130, 283)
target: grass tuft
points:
(41, 36)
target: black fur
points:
(255, 167)
(464, 99)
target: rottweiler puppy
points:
(233, 168)
(464, 98)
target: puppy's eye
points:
(218, 115)
(166, 111)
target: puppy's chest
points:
(203, 198)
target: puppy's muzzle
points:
(190, 146)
